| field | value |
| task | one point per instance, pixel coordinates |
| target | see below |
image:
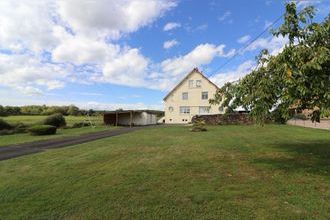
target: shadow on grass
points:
(312, 157)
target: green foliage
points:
(7, 128)
(40, 110)
(73, 110)
(278, 116)
(81, 124)
(6, 132)
(298, 77)
(9, 110)
(42, 130)
(20, 128)
(56, 120)
(199, 125)
(4, 125)
(325, 113)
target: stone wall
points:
(324, 123)
(225, 119)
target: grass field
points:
(25, 137)
(229, 172)
(33, 119)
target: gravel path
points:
(11, 151)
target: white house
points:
(190, 97)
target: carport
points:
(131, 117)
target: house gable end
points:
(186, 78)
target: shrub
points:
(81, 124)
(56, 120)
(6, 132)
(199, 125)
(20, 128)
(4, 125)
(325, 113)
(277, 117)
(42, 129)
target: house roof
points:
(186, 77)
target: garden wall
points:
(324, 123)
(225, 119)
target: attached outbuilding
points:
(132, 117)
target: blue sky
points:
(109, 54)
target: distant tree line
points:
(44, 110)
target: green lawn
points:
(229, 172)
(28, 119)
(33, 119)
(26, 137)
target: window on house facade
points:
(170, 109)
(204, 110)
(184, 109)
(198, 83)
(205, 95)
(191, 84)
(185, 96)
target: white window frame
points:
(207, 95)
(184, 110)
(198, 83)
(206, 110)
(184, 97)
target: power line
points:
(247, 45)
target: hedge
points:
(4, 125)
(42, 130)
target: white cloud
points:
(224, 16)
(27, 25)
(244, 39)
(26, 73)
(131, 68)
(170, 43)
(305, 3)
(81, 50)
(39, 33)
(73, 41)
(111, 17)
(230, 76)
(128, 68)
(273, 44)
(171, 25)
(200, 55)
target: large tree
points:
(298, 77)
